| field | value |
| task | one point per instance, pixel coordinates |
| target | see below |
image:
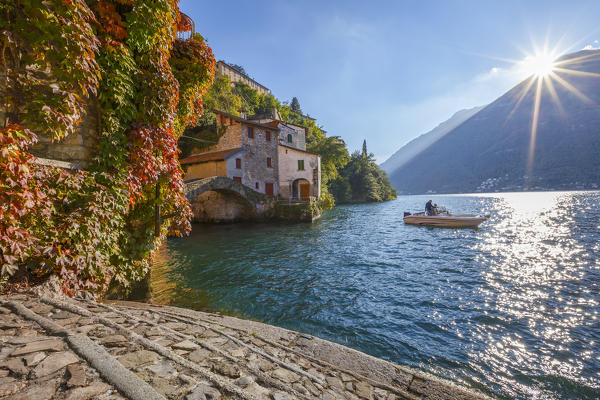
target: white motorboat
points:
(445, 219)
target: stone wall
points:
(212, 206)
(78, 148)
(254, 160)
(288, 170)
(231, 139)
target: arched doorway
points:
(301, 190)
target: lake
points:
(511, 308)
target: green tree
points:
(295, 106)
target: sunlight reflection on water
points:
(511, 307)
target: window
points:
(269, 162)
(300, 165)
(289, 138)
(268, 136)
(238, 179)
(269, 189)
(257, 185)
(238, 163)
(251, 132)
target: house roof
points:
(301, 151)
(209, 156)
(244, 121)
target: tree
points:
(295, 106)
(238, 68)
(364, 148)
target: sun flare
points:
(539, 65)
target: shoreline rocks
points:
(78, 349)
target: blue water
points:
(510, 308)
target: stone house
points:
(265, 154)
(224, 69)
(299, 170)
(247, 153)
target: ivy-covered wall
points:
(94, 225)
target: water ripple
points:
(511, 308)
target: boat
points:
(445, 219)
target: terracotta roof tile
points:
(209, 156)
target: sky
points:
(389, 71)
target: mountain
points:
(416, 146)
(495, 150)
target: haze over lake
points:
(511, 307)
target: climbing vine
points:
(122, 60)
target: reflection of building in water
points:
(167, 287)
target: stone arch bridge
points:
(221, 199)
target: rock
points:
(63, 315)
(15, 365)
(4, 310)
(299, 388)
(349, 386)
(87, 392)
(177, 326)
(314, 372)
(329, 395)
(5, 351)
(346, 377)
(84, 329)
(244, 381)
(138, 358)
(285, 375)
(154, 331)
(311, 388)
(281, 396)
(226, 369)
(364, 390)
(239, 353)
(203, 392)
(8, 388)
(266, 365)
(334, 382)
(53, 363)
(163, 369)
(199, 355)
(163, 341)
(33, 359)
(68, 321)
(27, 333)
(114, 340)
(41, 391)
(4, 372)
(76, 375)
(185, 345)
(42, 345)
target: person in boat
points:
(435, 209)
(429, 208)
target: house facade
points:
(267, 155)
(224, 69)
(246, 153)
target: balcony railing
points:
(186, 27)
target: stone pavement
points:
(59, 348)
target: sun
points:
(539, 65)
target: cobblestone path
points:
(76, 349)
